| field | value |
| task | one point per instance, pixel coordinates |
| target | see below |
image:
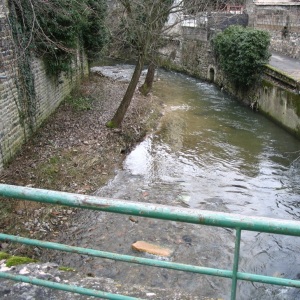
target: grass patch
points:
(66, 269)
(79, 103)
(55, 171)
(6, 209)
(18, 260)
(49, 170)
(4, 255)
(6, 206)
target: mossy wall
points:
(277, 96)
(193, 57)
(281, 105)
(20, 117)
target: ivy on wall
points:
(53, 30)
(24, 80)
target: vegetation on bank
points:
(55, 29)
(66, 269)
(242, 53)
(12, 260)
(74, 152)
(62, 33)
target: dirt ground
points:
(74, 152)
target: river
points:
(210, 153)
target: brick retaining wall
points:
(49, 92)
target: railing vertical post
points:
(236, 263)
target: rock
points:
(150, 294)
(4, 245)
(24, 271)
(37, 251)
(187, 239)
(36, 213)
(142, 246)
(134, 220)
(185, 200)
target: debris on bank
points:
(142, 246)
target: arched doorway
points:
(211, 73)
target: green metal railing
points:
(163, 212)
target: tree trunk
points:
(147, 86)
(121, 111)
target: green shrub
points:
(242, 52)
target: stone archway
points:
(211, 73)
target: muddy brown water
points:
(209, 153)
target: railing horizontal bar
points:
(65, 287)
(118, 257)
(186, 215)
(152, 262)
(268, 279)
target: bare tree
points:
(146, 87)
(142, 24)
(143, 27)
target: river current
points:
(210, 153)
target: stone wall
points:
(283, 24)
(281, 105)
(196, 58)
(193, 57)
(15, 124)
(195, 33)
(277, 96)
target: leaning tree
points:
(142, 28)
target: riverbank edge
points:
(275, 95)
(73, 152)
(51, 272)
